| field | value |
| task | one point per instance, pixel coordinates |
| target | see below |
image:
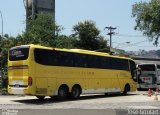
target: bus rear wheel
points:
(40, 97)
(62, 93)
(75, 93)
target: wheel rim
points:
(75, 92)
(62, 93)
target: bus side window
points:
(119, 64)
(66, 59)
(158, 72)
(80, 60)
(158, 66)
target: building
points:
(37, 6)
(141, 60)
(34, 7)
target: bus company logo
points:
(9, 112)
(16, 53)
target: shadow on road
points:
(55, 100)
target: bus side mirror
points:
(135, 78)
(139, 71)
(135, 75)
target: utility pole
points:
(110, 33)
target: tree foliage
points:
(45, 32)
(63, 41)
(5, 43)
(41, 30)
(88, 36)
(147, 17)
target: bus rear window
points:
(20, 53)
(147, 67)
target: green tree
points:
(40, 31)
(44, 31)
(5, 44)
(87, 36)
(147, 17)
(63, 41)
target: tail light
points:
(29, 81)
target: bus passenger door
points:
(41, 86)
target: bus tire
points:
(63, 92)
(40, 97)
(53, 97)
(126, 89)
(75, 92)
(106, 94)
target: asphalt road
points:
(62, 112)
(116, 104)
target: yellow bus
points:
(43, 71)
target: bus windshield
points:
(147, 67)
(18, 53)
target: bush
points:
(4, 91)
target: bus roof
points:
(78, 51)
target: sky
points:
(115, 13)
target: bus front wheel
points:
(75, 93)
(126, 89)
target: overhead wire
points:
(133, 44)
(127, 35)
